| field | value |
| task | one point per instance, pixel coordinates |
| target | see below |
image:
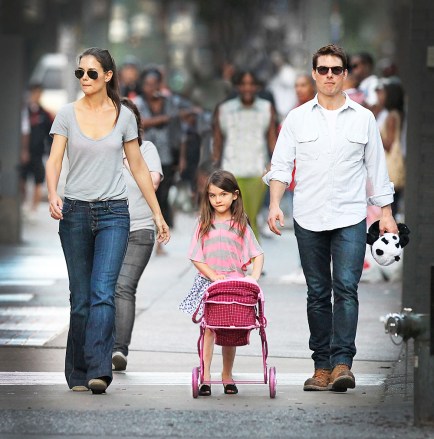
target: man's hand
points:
(275, 214)
(387, 222)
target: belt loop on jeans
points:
(106, 205)
(73, 204)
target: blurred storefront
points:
(193, 40)
(197, 43)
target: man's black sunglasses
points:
(79, 73)
(336, 70)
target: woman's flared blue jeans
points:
(94, 238)
(332, 261)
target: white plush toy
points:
(387, 249)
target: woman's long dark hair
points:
(107, 63)
(226, 181)
(395, 98)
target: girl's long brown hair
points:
(226, 181)
(133, 107)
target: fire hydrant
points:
(406, 324)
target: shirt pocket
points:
(355, 146)
(307, 146)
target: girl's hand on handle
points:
(55, 207)
(163, 232)
(218, 277)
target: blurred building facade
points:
(195, 42)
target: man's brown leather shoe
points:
(342, 379)
(319, 381)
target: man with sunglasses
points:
(337, 146)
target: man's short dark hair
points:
(330, 49)
(238, 76)
(151, 72)
(366, 58)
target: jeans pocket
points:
(119, 209)
(67, 207)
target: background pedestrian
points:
(244, 134)
(140, 245)
(38, 145)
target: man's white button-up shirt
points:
(331, 177)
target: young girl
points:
(222, 246)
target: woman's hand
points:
(163, 232)
(55, 207)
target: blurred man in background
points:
(38, 144)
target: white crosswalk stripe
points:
(166, 378)
(16, 297)
(27, 282)
(31, 325)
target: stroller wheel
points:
(272, 382)
(195, 382)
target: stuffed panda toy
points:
(387, 249)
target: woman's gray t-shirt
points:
(140, 212)
(95, 166)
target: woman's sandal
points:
(205, 390)
(230, 389)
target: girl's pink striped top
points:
(224, 249)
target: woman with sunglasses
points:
(94, 217)
(337, 146)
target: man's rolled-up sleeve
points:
(381, 188)
(282, 161)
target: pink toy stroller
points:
(231, 309)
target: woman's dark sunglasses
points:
(336, 70)
(79, 73)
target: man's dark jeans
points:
(332, 261)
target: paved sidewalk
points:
(153, 398)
